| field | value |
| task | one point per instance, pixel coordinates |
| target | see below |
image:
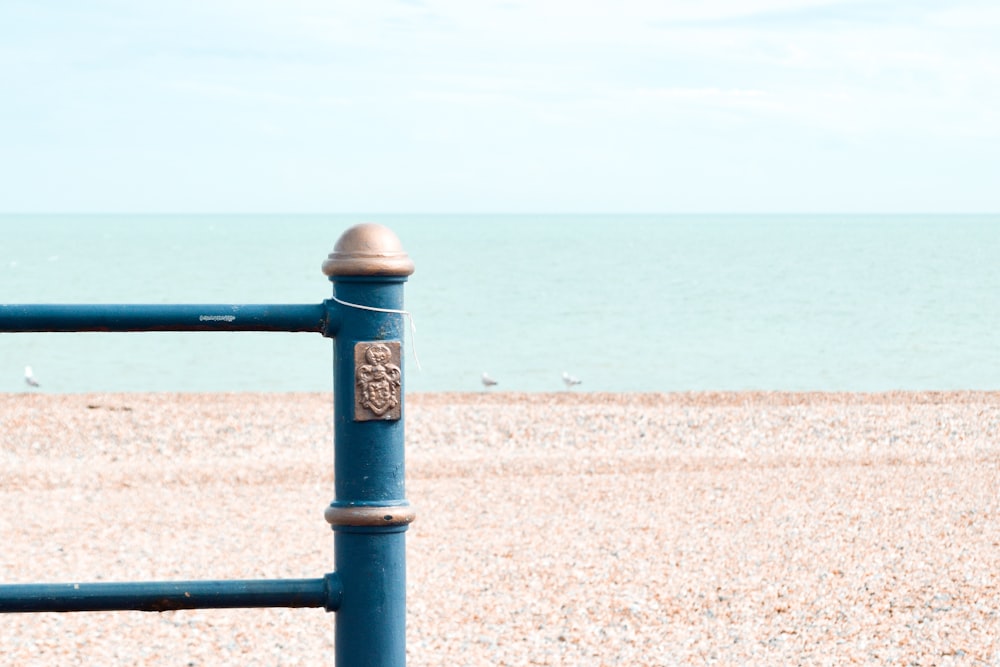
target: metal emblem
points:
(378, 385)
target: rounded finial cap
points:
(368, 249)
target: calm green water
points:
(627, 303)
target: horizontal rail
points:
(172, 595)
(163, 317)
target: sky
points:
(548, 106)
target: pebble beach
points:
(552, 529)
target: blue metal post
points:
(370, 513)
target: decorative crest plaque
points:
(378, 385)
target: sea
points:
(625, 303)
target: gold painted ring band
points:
(369, 516)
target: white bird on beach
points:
(488, 381)
(569, 380)
(29, 377)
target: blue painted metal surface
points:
(369, 513)
(368, 473)
(172, 595)
(157, 317)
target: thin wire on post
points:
(408, 314)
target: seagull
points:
(569, 380)
(29, 377)
(488, 381)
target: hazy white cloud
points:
(395, 105)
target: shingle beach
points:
(552, 529)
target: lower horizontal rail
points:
(171, 595)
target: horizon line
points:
(498, 214)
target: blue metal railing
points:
(369, 514)
(156, 317)
(173, 595)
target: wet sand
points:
(552, 529)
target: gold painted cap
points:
(368, 249)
